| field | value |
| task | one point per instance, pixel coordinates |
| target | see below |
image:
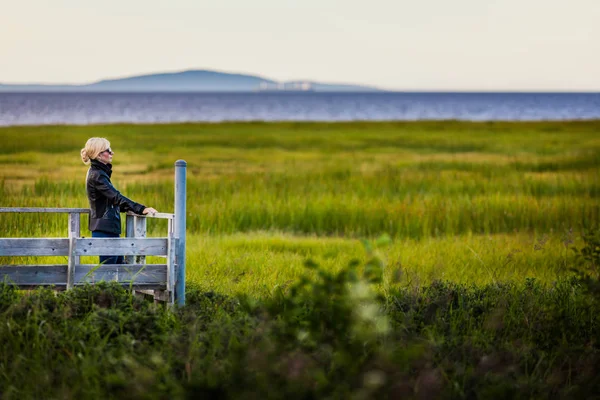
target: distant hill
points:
(187, 81)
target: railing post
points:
(74, 232)
(180, 210)
(129, 232)
(171, 252)
(139, 224)
(135, 227)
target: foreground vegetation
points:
(330, 336)
(470, 293)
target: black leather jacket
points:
(106, 203)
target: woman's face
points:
(106, 156)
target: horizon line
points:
(364, 92)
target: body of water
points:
(100, 108)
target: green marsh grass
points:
(446, 183)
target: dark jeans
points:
(108, 259)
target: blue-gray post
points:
(180, 178)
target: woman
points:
(106, 203)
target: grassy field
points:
(466, 202)
(289, 225)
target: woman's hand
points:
(149, 210)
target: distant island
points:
(191, 81)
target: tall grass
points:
(355, 206)
(413, 181)
(407, 180)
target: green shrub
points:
(329, 335)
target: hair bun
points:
(84, 156)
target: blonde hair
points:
(93, 147)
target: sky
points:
(430, 45)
